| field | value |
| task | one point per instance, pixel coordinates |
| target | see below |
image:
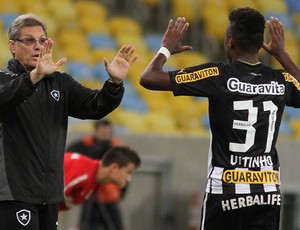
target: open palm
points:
(119, 67)
(45, 64)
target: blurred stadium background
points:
(85, 31)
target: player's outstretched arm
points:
(276, 47)
(119, 67)
(154, 77)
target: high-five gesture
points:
(154, 77)
(276, 45)
(45, 64)
(119, 67)
(174, 35)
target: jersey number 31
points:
(248, 125)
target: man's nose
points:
(39, 43)
(37, 46)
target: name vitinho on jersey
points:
(273, 88)
(197, 75)
(251, 162)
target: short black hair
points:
(122, 155)
(102, 122)
(247, 26)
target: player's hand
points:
(276, 31)
(119, 67)
(174, 35)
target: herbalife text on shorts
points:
(251, 200)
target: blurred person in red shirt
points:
(103, 208)
(84, 175)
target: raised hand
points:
(174, 35)
(276, 45)
(45, 64)
(119, 67)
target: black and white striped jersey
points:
(246, 103)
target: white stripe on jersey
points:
(242, 188)
(269, 187)
(209, 161)
(204, 211)
(214, 184)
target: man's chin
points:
(33, 64)
(30, 67)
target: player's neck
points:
(247, 58)
(252, 61)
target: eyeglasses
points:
(32, 41)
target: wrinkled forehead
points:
(32, 31)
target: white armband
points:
(164, 51)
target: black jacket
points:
(33, 129)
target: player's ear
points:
(11, 45)
(113, 167)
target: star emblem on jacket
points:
(55, 94)
(23, 216)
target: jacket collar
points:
(15, 66)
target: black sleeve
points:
(14, 89)
(85, 103)
(293, 90)
(202, 80)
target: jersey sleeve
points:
(78, 171)
(72, 190)
(293, 88)
(201, 80)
